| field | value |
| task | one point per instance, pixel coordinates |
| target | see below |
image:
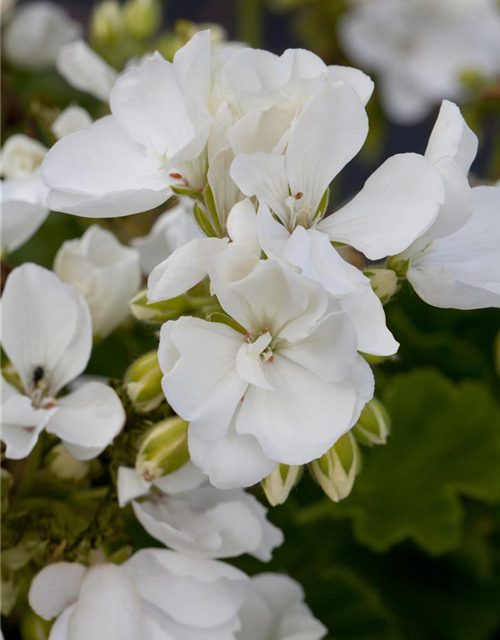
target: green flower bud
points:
(159, 311)
(142, 17)
(107, 24)
(374, 424)
(33, 627)
(336, 470)
(143, 383)
(164, 450)
(63, 465)
(279, 483)
(384, 283)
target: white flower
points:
(47, 336)
(156, 594)
(275, 610)
(420, 48)
(85, 70)
(35, 32)
(455, 263)
(107, 273)
(24, 195)
(207, 522)
(173, 229)
(283, 392)
(397, 204)
(155, 138)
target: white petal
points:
(328, 133)
(273, 236)
(55, 588)
(263, 175)
(260, 130)
(183, 269)
(462, 270)
(21, 219)
(184, 479)
(130, 485)
(85, 70)
(398, 203)
(192, 65)
(88, 419)
(451, 137)
(362, 84)
(60, 628)
(330, 349)
(226, 193)
(302, 418)
(108, 606)
(150, 107)
(232, 461)
(363, 381)
(71, 120)
(202, 386)
(100, 172)
(366, 313)
(46, 324)
(250, 366)
(196, 592)
(21, 424)
(242, 226)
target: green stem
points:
(31, 470)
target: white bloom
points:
(47, 336)
(24, 195)
(173, 229)
(34, 34)
(249, 396)
(85, 70)
(419, 48)
(155, 137)
(398, 203)
(107, 273)
(209, 523)
(275, 610)
(455, 263)
(156, 594)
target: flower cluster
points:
(268, 300)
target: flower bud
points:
(142, 17)
(63, 465)
(164, 450)
(384, 283)
(106, 272)
(279, 483)
(158, 312)
(143, 383)
(336, 470)
(374, 424)
(107, 24)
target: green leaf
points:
(445, 444)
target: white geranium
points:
(206, 522)
(284, 391)
(47, 336)
(275, 610)
(24, 195)
(455, 263)
(35, 32)
(156, 594)
(85, 70)
(173, 229)
(107, 273)
(420, 48)
(397, 204)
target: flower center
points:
(261, 346)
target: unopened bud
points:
(63, 465)
(142, 17)
(142, 381)
(336, 470)
(280, 482)
(384, 283)
(158, 312)
(164, 450)
(374, 424)
(107, 24)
